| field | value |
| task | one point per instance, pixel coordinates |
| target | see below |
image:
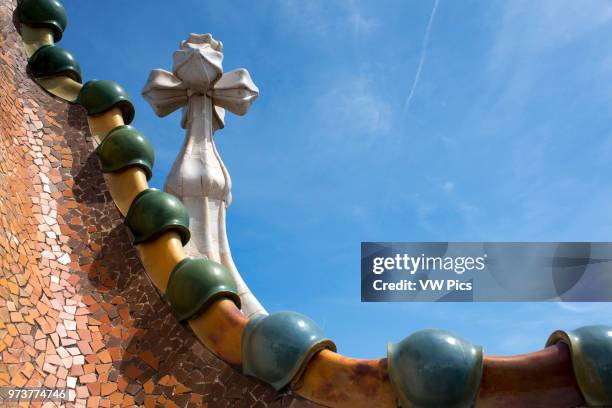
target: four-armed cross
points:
(198, 176)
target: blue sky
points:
(504, 136)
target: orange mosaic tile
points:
(76, 307)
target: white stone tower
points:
(198, 176)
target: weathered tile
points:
(76, 307)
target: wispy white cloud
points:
(354, 106)
(547, 69)
(529, 30)
(319, 18)
(531, 27)
(417, 75)
(448, 186)
(358, 20)
(307, 16)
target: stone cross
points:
(198, 176)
